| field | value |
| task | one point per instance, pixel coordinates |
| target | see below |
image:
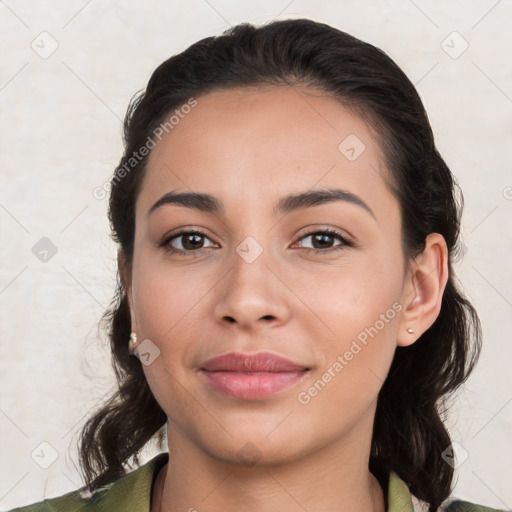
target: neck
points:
(330, 479)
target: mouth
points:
(252, 385)
(252, 377)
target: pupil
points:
(188, 239)
(321, 236)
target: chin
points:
(247, 452)
(251, 445)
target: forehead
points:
(247, 145)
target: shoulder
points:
(76, 501)
(457, 505)
(400, 499)
(71, 502)
(453, 505)
(131, 492)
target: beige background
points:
(61, 137)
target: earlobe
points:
(423, 290)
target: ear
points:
(126, 279)
(423, 290)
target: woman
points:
(286, 233)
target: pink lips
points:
(252, 377)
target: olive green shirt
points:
(132, 493)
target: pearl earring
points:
(132, 344)
(410, 331)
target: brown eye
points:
(190, 241)
(322, 240)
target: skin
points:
(249, 147)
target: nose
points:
(251, 295)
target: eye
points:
(191, 242)
(324, 237)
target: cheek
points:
(355, 363)
(166, 300)
(168, 313)
(344, 300)
(354, 330)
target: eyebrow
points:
(209, 204)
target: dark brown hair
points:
(409, 435)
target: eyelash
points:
(165, 243)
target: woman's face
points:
(266, 276)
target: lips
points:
(252, 377)
(244, 363)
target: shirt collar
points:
(400, 498)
